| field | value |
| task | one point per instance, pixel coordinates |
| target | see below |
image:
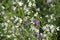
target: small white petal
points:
(20, 3)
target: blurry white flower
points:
(57, 28)
(52, 30)
(32, 19)
(14, 2)
(41, 17)
(46, 16)
(36, 14)
(3, 7)
(5, 17)
(14, 8)
(49, 20)
(25, 7)
(5, 29)
(33, 0)
(13, 35)
(11, 18)
(20, 3)
(32, 27)
(3, 12)
(16, 20)
(52, 16)
(37, 30)
(45, 35)
(10, 31)
(38, 9)
(34, 4)
(13, 28)
(29, 39)
(6, 24)
(8, 36)
(15, 38)
(54, 19)
(20, 20)
(48, 1)
(52, 5)
(51, 27)
(8, 21)
(16, 26)
(30, 4)
(28, 0)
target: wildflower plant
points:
(29, 19)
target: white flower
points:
(51, 27)
(14, 8)
(32, 27)
(3, 12)
(34, 4)
(52, 16)
(20, 20)
(16, 19)
(11, 18)
(45, 35)
(32, 19)
(15, 38)
(8, 21)
(48, 1)
(38, 9)
(54, 19)
(16, 26)
(52, 5)
(57, 28)
(20, 3)
(37, 30)
(36, 14)
(6, 24)
(49, 20)
(13, 28)
(30, 4)
(3, 7)
(28, 0)
(41, 17)
(44, 28)
(8, 36)
(14, 2)
(46, 16)
(13, 35)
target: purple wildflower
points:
(36, 22)
(22, 28)
(41, 35)
(26, 23)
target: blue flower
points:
(41, 35)
(37, 22)
(26, 23)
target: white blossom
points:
(49, 20)
(48, 1)
(36, 14)
(30, 4)
(8, 21)
(57, 28)
(20, 3)
(11, 18)
(38, 9)
(16, 20)
(8, 36)
(34, 4)
(3, 7)
(20, 20)
(47, 16)
(14, 8)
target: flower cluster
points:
(22, 20)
